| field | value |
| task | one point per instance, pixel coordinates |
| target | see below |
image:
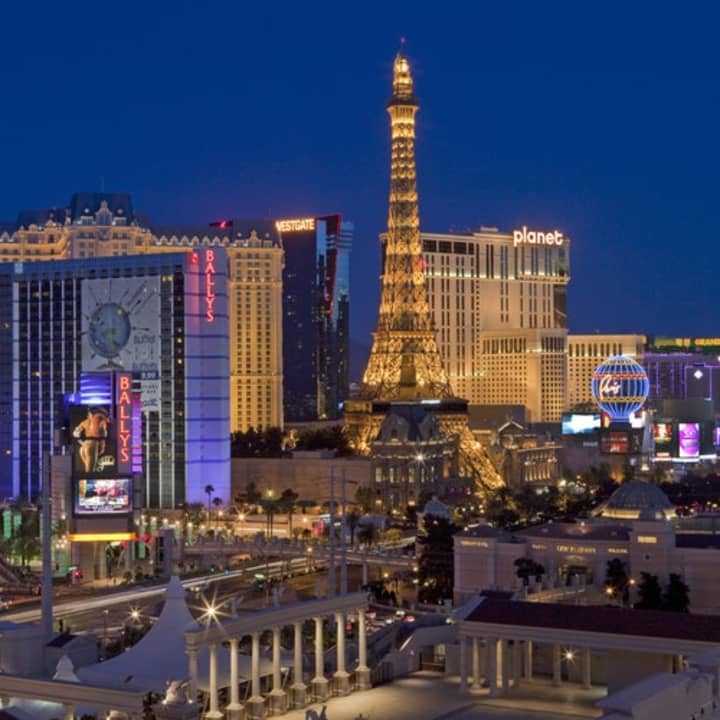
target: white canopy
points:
(160, 656)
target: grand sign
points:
(536, 237)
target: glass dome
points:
(638, 500)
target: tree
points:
(435, 564)
(209, 490)
(351, 520)
(365, 498)
(649, 592)
(288, 504)
(368, 534)
(217, 502)
(527, 568)
(676, 596)
(616, 578)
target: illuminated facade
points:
(105, 224)
(162, 318)
(499, 303)
(405, 363)
(586, 352)
(316, 315)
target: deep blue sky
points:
(601, 121)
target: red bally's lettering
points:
(209, 285)
(124, 417)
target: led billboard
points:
(663, 433)
(580, 423)
(688, 440)
(102, 496)
(93, 440)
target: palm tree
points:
(217, 502)
(288, 503)
(209, 490)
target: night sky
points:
(604, 126)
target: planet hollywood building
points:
(156, 326)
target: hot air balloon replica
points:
(620, 388)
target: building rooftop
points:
(601, 619)
(578, 531)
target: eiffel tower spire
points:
(405, 365)
(405, 361)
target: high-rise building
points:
(586, 352)
(316, 315)
(499, 303)
(159, 319)
(405, 375)
(105, 224)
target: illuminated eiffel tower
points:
(405, 365)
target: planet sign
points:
(620, 387)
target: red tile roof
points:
(601, 619)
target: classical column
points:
(255, 706)
(234, 709)
(557, 666)
(363, 680)
(586, 669)
(69, 711)
(278, 701)
(491, 665)
(341, 676)
(505, 665)
(193, 672)
(319, 683)
(463, 663)
(476, 663)
(299, 691)
(516, 663)
(528, 660)
(213, 712)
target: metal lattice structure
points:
(405, 362)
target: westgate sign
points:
(535, 237)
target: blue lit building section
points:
(178, 358)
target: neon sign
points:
(535, 237)
(609, 386)
(123, 407)
(210, 285)
(295, 224)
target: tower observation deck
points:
(405, 365)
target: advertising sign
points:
(615, 442)
(93, 440)
(101, 496)
(580, 423)
(121, 330)
(123, 415)
(688, 440)
(663, 433)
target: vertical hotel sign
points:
(123, 414)
(210, 285)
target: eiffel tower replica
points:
(405, 364)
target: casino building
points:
(499, 304)
(316, 316)
(159, 320)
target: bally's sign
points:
(535, 237)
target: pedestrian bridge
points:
(395, 558)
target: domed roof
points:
(637, 499)
(437, 508)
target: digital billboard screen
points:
(688, 440)
(92, 437)
(663, 433)
(615, 442)
(716, 436)
(580, 423)
(102, 496)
